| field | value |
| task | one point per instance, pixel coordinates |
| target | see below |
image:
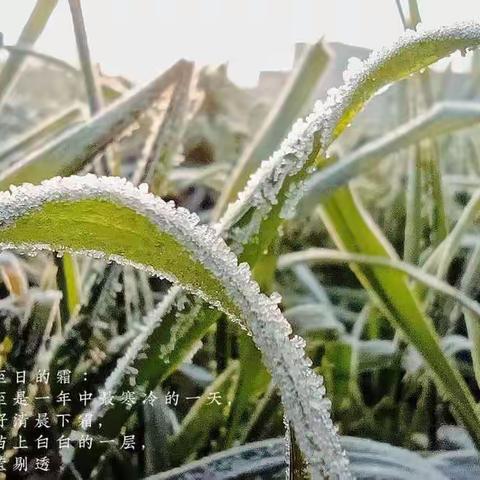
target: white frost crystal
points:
(301, 389)
(150, 322)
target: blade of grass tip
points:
(22, 144)
(166, 133)
(285, 111)
(30, 33)
(73, 150)
(94, 93)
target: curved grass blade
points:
(267, 196)
(274, 190)
(299, 152)
(324, 255)
(110, 218)
(442, 118)
(152, 320)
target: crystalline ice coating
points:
(143, 187)
(151, 321)
(284, 357)
(265, 184)
(354, 66)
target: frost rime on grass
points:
(301, 389)
(328, 119)
(151, 321)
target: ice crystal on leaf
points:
(413, 51)
(301, 389)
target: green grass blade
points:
(358, 234)
(425, 161)
(397, 65)
(67, 282)
(324, 255)
(468, 285)
(272, 193)
(94, 92)
(94, 95)
(442, 118)
(253, 379)
(204, 416)
(413, 214)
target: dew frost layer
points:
(264, 186)
(301, 389)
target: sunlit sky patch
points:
(138, 38)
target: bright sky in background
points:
(139, 38)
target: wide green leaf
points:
(110, 218)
